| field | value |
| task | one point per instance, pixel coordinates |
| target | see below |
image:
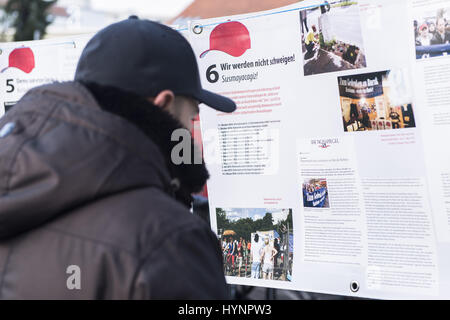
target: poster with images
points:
(330, 176)
(329, 116)
(24, 65)
(430, 20)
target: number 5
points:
(10, 85)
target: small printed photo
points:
(432, 33)
(332, 38)
(376, 101)
(315, 193)
(256, 243)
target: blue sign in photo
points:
(315, 199)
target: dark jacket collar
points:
(158, 125)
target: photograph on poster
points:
(376, 101)
(256, 243)
(315, 193)
(332, 38)
(432, 33)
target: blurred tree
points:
(222, 220)
(281, 226)
(267, 222)
(244, 227)
(30, 18)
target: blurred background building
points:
(71, 17)
(204, 9)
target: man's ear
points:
(165, 99)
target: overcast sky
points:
(164, 8)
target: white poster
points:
(24, 65)
(333, 158)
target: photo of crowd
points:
(332, 38)
(432, 34)
(315, 193)
(376, 101)
(256, 243)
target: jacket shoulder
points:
(130, 221)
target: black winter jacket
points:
(87, 206)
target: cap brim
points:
(216, 101)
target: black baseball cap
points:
(145, 57)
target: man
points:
(395, 119)
(441, 36)
(227, 256)
(232, 254)
(354, 114)
(239, 255)
(256, 257)
(365, 121)
(325, 7)
(311, 40)
(276, 246)
(304, 21)
(91, 204)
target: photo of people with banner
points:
(332, 38)
(256, 243)
(315, 193)
(376, 101)
(432, 33)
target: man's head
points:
(440, 25)
(431, 27)
(314, 28)
(152, 61)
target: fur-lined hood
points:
(158, 125)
